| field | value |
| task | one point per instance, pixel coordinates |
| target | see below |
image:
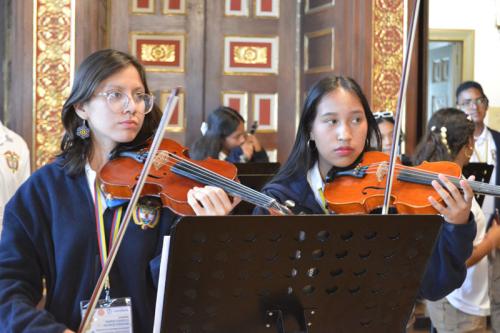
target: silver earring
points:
(83, 131)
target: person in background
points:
(450, 137)
(224, 137)
(385, 122)
(472, 100)
(14, 165)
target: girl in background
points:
(224, 137)
(450, 137)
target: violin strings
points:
(211, 178)
(428, 176)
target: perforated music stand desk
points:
(316, 274)
(482, 172)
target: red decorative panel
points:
(176, 123)
(267, 8)
(143, 6)
(250, 55)
(174, 7)
(235, 5)
(236, 8)
(237, 100)
(265, 111)
(159, 52)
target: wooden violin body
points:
(119, 175)
(361, 190)
(173, 174)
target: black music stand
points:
(255, 176)
(482, 172)
(315, 274)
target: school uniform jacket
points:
(235, 156)
(446, 268)
(50, 231)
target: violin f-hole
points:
(365, 190)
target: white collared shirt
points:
(485, 151)
(317, 185)
(14, 165)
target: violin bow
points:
(165, 119)
(402, 94)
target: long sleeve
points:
(21, 283)
(446, 269)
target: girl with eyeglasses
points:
(335, 129)
(450, 137)
(59, 225)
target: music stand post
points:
(315, 274)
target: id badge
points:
(110, 316)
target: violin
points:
(173, 174)
(361, 190)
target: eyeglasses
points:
(469, 103)
(119, 101)
(384, 115)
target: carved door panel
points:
(251, 66)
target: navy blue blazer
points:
(50, 232)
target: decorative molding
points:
(466, 37)
(267, 8)
(236, 8)
(323, 5)
(174, 7)
(53, 66)
(250, 55)
(388, 40)
(265, 112)
(178, 119)
(237, 100)
(159, 52)
(317, 35)
(142, 6)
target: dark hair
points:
(303, 157)
(95, 69)
(221, 123)
(469, 85)
(459, 130)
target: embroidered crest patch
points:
(12, 160)
(147, 213)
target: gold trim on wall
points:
(53, 61)
(467, 38)
(387, 53)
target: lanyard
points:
(101, 231)
(323, 200)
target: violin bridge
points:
(382, 171)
